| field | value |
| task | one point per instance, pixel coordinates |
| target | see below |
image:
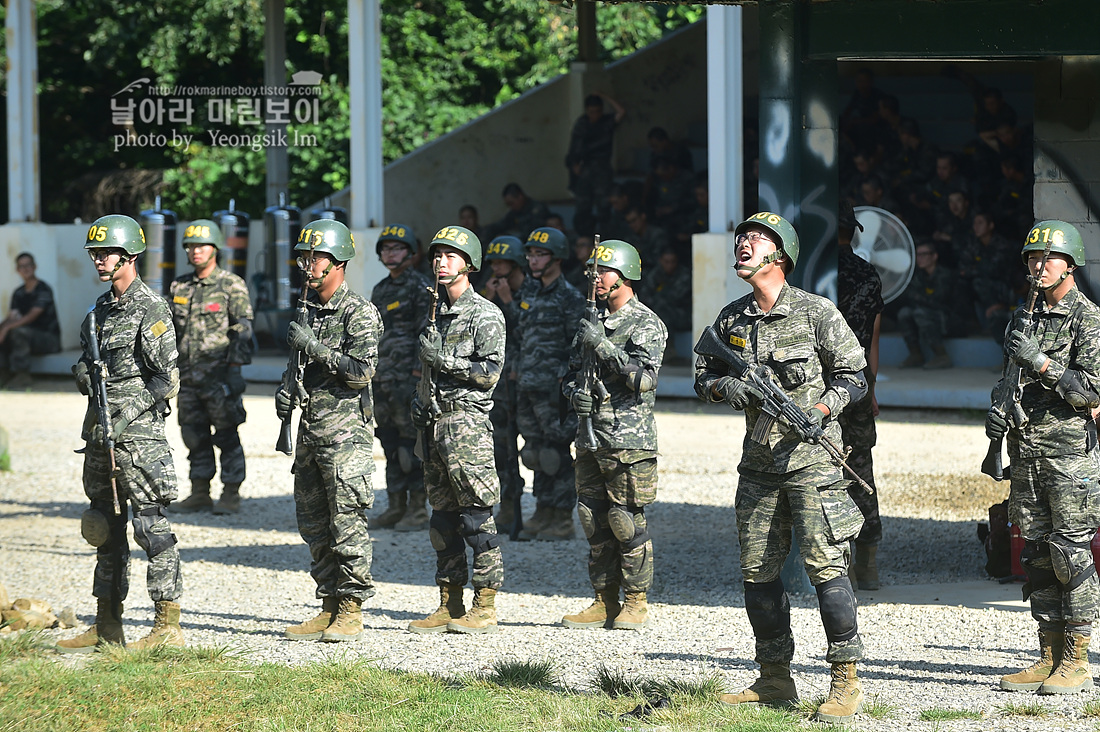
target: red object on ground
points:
(1017, 545)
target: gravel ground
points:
(246, 576)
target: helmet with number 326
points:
(461, 239)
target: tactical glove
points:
(583, 402)
(1024, 350)
(235, 381)
(431, 349)
(117, 428)
(995, 425)
(302, 339)
(735, 392)
(283, 403)
(592, 336)
(83, 378)
(421, 415)
(817, 417)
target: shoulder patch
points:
(393, 305)
(158, 329)
(737, 341)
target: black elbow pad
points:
(1076, 391)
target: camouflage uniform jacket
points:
(138, 346)
(546, 321)
(473, 352)
(859, 294)
(812, 354)
(339, 407)
(403, 302)
(670, 296)
(625, 421)
(933, 291)
(213, 319)
(1069, 334)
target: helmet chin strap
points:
(1060, 280)
(774, 256)
(318, 282)
(448, 279)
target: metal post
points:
(275, 78)
(365, 77)
(725, 116)
(22, 111)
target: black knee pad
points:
(590, 510)
(1032, 557)
(194, 434)
(472, 520)
(629, 526)
(226, 438)
(1072, 561)
(153, 544)
(768, 608)
(838, 609)
(444, 533)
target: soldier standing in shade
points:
(618, 479)
(213, 320)
(546, 310)
(786, 483)
(138, 348)
(466, 355)
(403, 299)
(1054, 497)
(333, 460)
(506, 261)
(859, 299)
(926, 306)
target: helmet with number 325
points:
(461, 239)
(116, 232)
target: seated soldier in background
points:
(666, 289)
(925, 307)
(31, 327)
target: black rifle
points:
(775, 402)
(513, 458)
(425, 388)
(590, 382)
(98, 375)
(1006, 396)
(292, 379)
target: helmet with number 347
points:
(116, 232)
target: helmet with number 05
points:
(116, 232)
(620, 256)
(787, 237)
(461, 239)
(550, 239)
(1064, 238)
(328, 236)
(508, 248)
(398, 233)
(203, 231)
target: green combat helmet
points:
(399, 233)
(508, 248)
(550, 239)
(1065, 237)
(203, 231)
(621, 257)
(116, 232)
(787, 237)
(462, 239)
(329, 237)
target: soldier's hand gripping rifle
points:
(775, 402)
(590, 382)
(1006, 395)
(425, 388)
(98, 376)
(292, 379)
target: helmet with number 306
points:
(203, 231)
(550, 239)
(620, 256)
(462, 239)
(780, 228)
(328, 236)
(508, 248)
(1064, 238)
(116, 232)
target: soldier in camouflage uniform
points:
(213, 318)
(546, 310)
(859, 299)
(786, 483)
(1054, 497)
(138, 348)
(403, 300)
(667, 289)
(506, 261)
(465, 354)
(617, 476)
(926, 306)
(337, 331)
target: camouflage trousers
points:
(505, 444)
(396, 433)
(207, 407)
(857, 426)
(540, 423)
(22, 343)
(332, 494)
(626, 480)
(1056, 503)
(462, 488)
(146, 481)
(926, 326)
(591, 187)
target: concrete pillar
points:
(24, 201)
(275, 78)
(725, 115)
(365, 78)
(588, 43)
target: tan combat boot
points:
(635, 613)
(450, 608)
(482, 616)
(199, 500)
(166, 627)
(1032, 677)
(312, 629)
(1072, 674)
(845, 695)
(775, 686)
(538, 521)
(416, 514)
(559, 527)
(348, 623)
(106, 629)
(230, 500)
(866, 569)
(394, 512)
(600, 614)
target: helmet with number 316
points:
(116, 232)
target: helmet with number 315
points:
(329, 237)
(116, 232)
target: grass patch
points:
(23, 644)
(944, 714)
(875, 708)
(615, 683)
(1091, 709)
(707, 688)
(523, 674)
(1031, 709)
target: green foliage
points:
(1091, 709)
(943, 714)
(523, 674)
(23, 644)
(1030, 709)
(876, 708)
